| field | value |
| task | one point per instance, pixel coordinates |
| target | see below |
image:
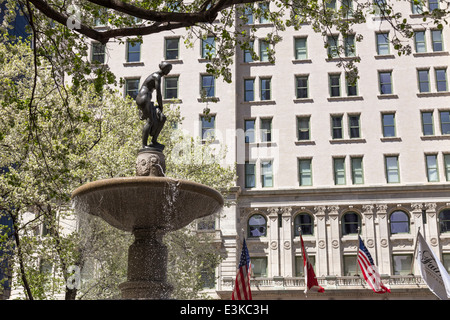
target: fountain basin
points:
(146, 202)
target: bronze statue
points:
(147, 109)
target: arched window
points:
(444, 220)
(351, 223)
(257, 226)
(399, 221)
(303, 221)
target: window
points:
(265, 88)
(335, 85)
(445, 122)
(249, 90)
(207, 223)
(263, 51)
(392, 170)
(259, 267)
(304, 222)
(379, 7)
(427, 123)
(441, 79)
(208, 275)
(172, 48)
(305, 172)
(388, 122)
(208, 48)
(357, 170)
(419, 42)
(331, 4)
(350, 265)
(208, 86)
(333, 46)
(208, 127)
(339, 171)
(432, 167)
(266, 174)
(446, 261)
(417, 7)
(303, 128)
(383, 43)
(170, 87)
(133, 51)
(436, 39)
(302, 87)
(248, 52)
(399, 222)
(433, 4)
(250, 176)
(351, 223)
(266, 130)
(424, 80)
(249, 131)
(444, 220)
(352, 87)
(354, 126)
(301, 52)
(385, 79)
(336, 127)
(447, 166)
(132, 87)
(257, 226)
(349, 43)
(98, 52)
(347, 8)
(402, 264)
(299, 268)
(264, 8)
(248, 15)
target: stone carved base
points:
(150, 162)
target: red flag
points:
(310, 276)
(242, 284)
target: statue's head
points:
(165, 67)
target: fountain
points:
(149, 205)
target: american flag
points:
(369, 270)
(242, 284)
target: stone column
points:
(273, 233)
(384, 252)
(321, 236)
(334, 241)
(147, 267)
(368, 234)
(432, 234)
(287, 263)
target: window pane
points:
(266, 130)
(445, 122)
(303, 222)
(357, 171)
(263, 51)
(250, 175)
(208, 86)
(350, 265)
(208, 125)
(419, 39)
(172, 49)
(134, 51)
(447, 166)
(432, 168)
(402, 264)
(336, 123)
(299, 268)
(444, 220)
(354, 127)
(332, 43)
(249, 89)
(388, 125)
(427, 123)
(385, 83)
(339, 171)
(335, 90)
(349, 43)
(259, 267)
(441, 80)
(208, 48)
(98, 53)
(302, 87)
(249, 131)
(267, 176)
(399, 222)
(132, 87)
(257, 226)
(171, 88)
(382, 43)
(305, 172)
(350, 223)
(303, 128)
(300, 49)
(265, 89)
(248, 53)
(392, 170)
(436, 38)
(424, 85)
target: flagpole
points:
(414, 253)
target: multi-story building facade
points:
(318, 154)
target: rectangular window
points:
(385, 79)
(265, 88)
(133, 51)
(248, 53)
(402, 264)
(98, 52)
(339, 171)
(249, 89)
(132, 87)
(350, 265)
(170, 87)
(350, 48)
(379, 7)
(301, 52)
(436, 39)
(383, 43)
(266, 174)
(263, 51)
(299, 269)
(427, 123)
(347, 8)
(331, 4)
(336, 127)
(424, 80)
(333, 46)
(357, 170)
(172, 48)
(417, 7)
(266, 130)
(392, 170)
(250, 175)
(441, 80)
(445, 122)
(388, 122)
(354, 126)
(249, 131)
(335, 85)
(259, 267)
(303, 128)
(208, 127)
(352, 86)
(419, 41)
(305, 172)
(433, 4)
(264, 8)
(302, 87)
(447, 166)
(208, 85)
(208, 48)
(432, 167)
